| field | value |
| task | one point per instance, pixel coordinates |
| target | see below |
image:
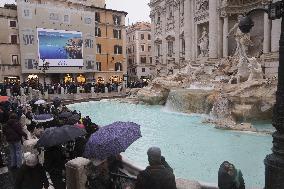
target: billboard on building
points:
(60, 47)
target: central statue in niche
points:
(243, 40)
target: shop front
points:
(11, 79)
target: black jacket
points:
(13, 131)
(156, 177)
(31, 178)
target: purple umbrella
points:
(112, 139)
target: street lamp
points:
(274, 163)
(43, 68)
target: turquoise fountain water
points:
(195, 150)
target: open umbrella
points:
(65, 114)
(112, 139)
(58, 135)
(38, 102)
(42, 118)
(4, 98)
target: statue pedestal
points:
(76, 173)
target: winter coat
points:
(13, 131)
(54, 159)
(156, 177)
(31, 178)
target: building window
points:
(151, 60)
(89, 43)
(133, 37)
(182, 46)
(158, 49)
(28, 39)
(142, 37)
(158, 18)
(142, 48)
(149, 48)
(88, 20)
(15, 60)
(27, 13)
(99, 48)
(89, 65)
(13, 23)
(117, 34)
(98, 66)
(98, 32)
(116, 20)
(97, 17)
(54, 16)
(14, 39)
(149, 36)
(117, 49)
(29, 63)
(182, 8)
(143, 60)
(143, 69)
(130, 61)
(170, 48)
(66, 19)
(118, 66)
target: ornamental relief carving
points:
(201, 10)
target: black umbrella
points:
(65, 114)
(58, 135)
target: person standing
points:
(14, 133)
(31, 175)
(54, 164)
(158, 175)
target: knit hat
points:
(31, 159)
(154, 155)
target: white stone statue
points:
(242, 72)
(203, 43)
(255, 69)
(243, 40)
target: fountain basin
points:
(192, 148)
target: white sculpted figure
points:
(203, 43)
(255, 69)
(242, 72)
(243, 40)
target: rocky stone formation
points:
(190, 101)
(153, 95)
(207, 89)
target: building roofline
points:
(105, 9)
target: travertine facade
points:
(139, 57)
(10, 69)
(191, 30)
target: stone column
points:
(220, 37)
(188, 30)
(275, 35)
(76, 173)
(213, 29)
(267, 34)
(225, 37)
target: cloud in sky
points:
(138, 10)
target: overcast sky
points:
(138, 10)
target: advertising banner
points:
(60, 48)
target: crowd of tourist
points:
(68, 88)
(18, 125)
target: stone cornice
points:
(229, 9)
